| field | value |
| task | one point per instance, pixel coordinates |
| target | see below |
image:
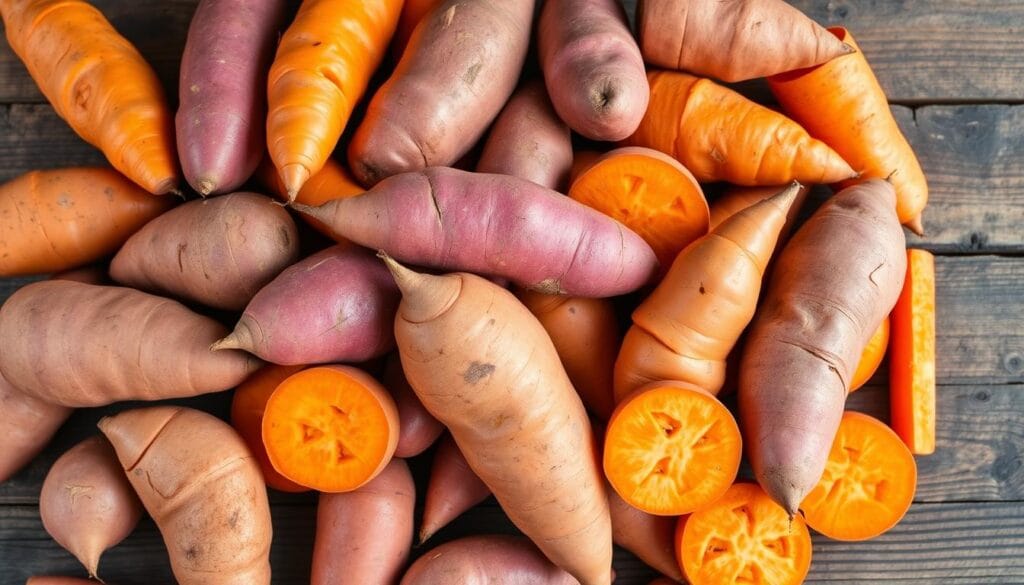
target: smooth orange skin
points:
(912, 357)
(286, 407)
(842, 104)
(332, 182)
(322, 68)
(248, 404)
(99, 83)
(872, 357)
(586, 335)
(850, 515)
(720, 135)
(737, 198)
(58, 219)
(692, 540)
(650, 193)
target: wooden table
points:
(955, 71)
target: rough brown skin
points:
(832, 285)
(26, 425)
(529, 140)
(86, 503)
(484, 366)
(592, 67)
(418, 429)
(363, 537)
(452, 489)
(733, 40)
(486, 560)
(647, 536)
(88, 345)
(203, 488)
(460, 67)
(218, 251)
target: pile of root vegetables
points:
(500, 248)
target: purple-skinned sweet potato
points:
(452, 489)
(529, 140)
(480, 559)
(418, 429)
(458, 70)
(218, 252)
(494, 225)
(338, 305)
(222, 91)
(593, 68)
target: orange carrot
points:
(736, 199)
(99, 83)
(247, 407)
(868, 484)
(586, 335)
(744, 537)
(874, 351)
(720, 135)
(322, 67)
(332, 182)
(63, 218)
(330, 428)
(686, 328)
(671, 448)
(453, 488)
(413, 12)
(649, 192)
(912, 362)
(842, 104)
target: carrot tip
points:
(294, 176)
(915, 225)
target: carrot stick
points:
(686, 328)
(649, 192)
(330, 428)
(912, 362)
(720, 135)
(842, 104)
(671, 448)
(452, 489)
(99, 83)
(322, 67)
(868, 484)
(872, 356)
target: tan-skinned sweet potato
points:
(203, 488)
(50, 580)
(480, 560)
(647, 536)
(26, 425)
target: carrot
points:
(99, 83)
(671, 448)
(732, 41)
(686, 328)
(868, 484)
(418, 429)
(744, 537)
(330, 428)
(720, 135)
(586, 335)
(735, 199)
(842, 104)
(832, 285)
(323, 65)
(452, 489)
(912, 361)
(484, 366)
(650, 193)
(647, 536)
(413, 11)
(63, 218)
(872, 356)
(248, 404)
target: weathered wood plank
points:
(947, 543)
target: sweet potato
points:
(529, 140)
(484, 366)
(496, 225)
(592, 67)
(59, 581)
(486, 559)
(222, 91)
(87, 345)
(203, 488)
(460, 67)
(26, 425)
(418, 429)
(453, 488)
(736, 199)
(63, 218)
(364, 537)
(86, 503)
(647, 536)
(217, 252)
(335, 306)
(832, 286)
